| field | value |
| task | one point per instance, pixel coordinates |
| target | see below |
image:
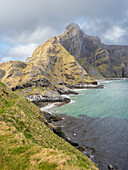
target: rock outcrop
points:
(98, 59)
(50, 72)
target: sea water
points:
(99, 120)
(112, 101)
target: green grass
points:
(26, 143)
(47, 166)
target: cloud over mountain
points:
(24, 23)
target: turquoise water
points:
(103, 127)
(112, 101)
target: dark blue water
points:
(98, 120)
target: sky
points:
(25, 24)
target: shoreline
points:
(53, 118)
(49, 105)
(57, 119)
(107, 79)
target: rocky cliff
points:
(51, 71)
(98, 59)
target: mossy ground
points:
(26, 143)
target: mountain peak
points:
(73, 25)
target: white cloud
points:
(22, 50)
(28, 22)
(4, 59)
(115, 34)
(94, 26)
(39, 35)
(26, 15)
(19, 52)
(23, 45)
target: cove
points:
(98, 120)
(98, 103)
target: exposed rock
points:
(2, 73)
(57, 129)
(55, 118)
(47, 116)
(110, 166)
(80, 86)
(65, 90)
(100, 60)
(47, 74)
(59, 64)
(50, 117)
(52, 98)
(28, 59)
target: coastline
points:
(107, 79)
(60, 120)
(74, 91)
(53, 119)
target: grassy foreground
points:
(26, 143)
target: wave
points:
(48, 107)
(72, 101)
(79, 90)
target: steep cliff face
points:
(59, 66)
(119, 59)
(50, 71)
(98, 59)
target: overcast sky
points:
(25, 24)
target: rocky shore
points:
(108, 79)
(58, 96)
(90, 86)
(58, 129)
(66, 127)
(52, 96)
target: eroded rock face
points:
(2, 73)
(59, 66)
(50, 72)
(119, 59)
(98, 59)
(72, 39)
(49, 96)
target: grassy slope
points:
(16, 73)
(26, 143)
(65, 64)
(50, 60)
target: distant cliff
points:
(71, 60)
(50, 72)
(98, 59)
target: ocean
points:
(98, 120)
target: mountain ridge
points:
(50, 72)
(71, 60)
(100, 60)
